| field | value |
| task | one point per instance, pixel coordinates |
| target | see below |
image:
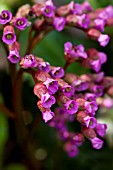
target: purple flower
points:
(95, 65)
(52, 85)
(71, 106)
(90, 97)
(80, 85)
(48, 11)
(57, 72)
(8, 37)
(91, 107)
(68, 49)
(20, 23)
(29, 61)
(90, 122)
(43, 66)
(47, 100)
(47, 115)
(77, 9)
(5, 17)
(101, 129)
(106, 13)
(98, 90)
(67, 90)
(103, 39)
(99, 24)
(80, 51)
(14, 57)
(59, 23)
(86, 6)
(99, 77)
(83, 21)
(107, 102)
(71, 149)
(102, 57)
(97, 143)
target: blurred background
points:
(49, 151)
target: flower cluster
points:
(65, 97)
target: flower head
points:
(20, 23)
(29, 61)
(48, 11)
(97, 143)
(52, 85)
(14, 57)
(57, 72)
(5, 17)
(59, 23)
(101, 129)
(47, 100)
(47, 115)
(71, 106)
(43, 66)
(103, 39)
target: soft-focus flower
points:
(71, 149)
(47, 115)
(97, 143)
(43, 66)
(59, 23)
(20, 23)
(52, 85)
(29, 61)
(57, 72)
(103, 39)
(101, 129)
(9, 36)
(47, 100)
(83, 21)
(68, 90)
(71, 106)
(48, 11)
(14, 57)
(99, 24)
(5, 17)
(90, 122)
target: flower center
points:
(9, 36)
(68, 89)
(4, 15)
(70, 106)
(20, 22)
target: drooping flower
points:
(101, 129)
(9, 36)
(83, 21)
(59, 23)
(47, 100)
(90, 122)
(52, 85)
(48, 11)
(71, 106)
(43, 66)
(57, 72)
(14, 57)
(103, 39)
(97, 143)
(47, 115)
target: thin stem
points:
(66, 65)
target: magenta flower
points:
(99, 24)
(97, 90)
(96, 65)
(71, 149)
(29, 61)
(103, 39)
(101, 129)
(20, 23)
(48, 11)
(80, 85)
(43, 66)
(9, 36)
(59, 23)
(86, 6)
(69, 49)
(68, 90)
(91, 107)
(57, 72)
(97, 143)
(5, 17)
(52, 85)
(71, 106)
(90, 122)
(107, 102)
(102, 57)
(47, 100)
(80, 51)
(77, 9)
(14, 57)
(47, 115)
(83, 21)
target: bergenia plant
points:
(62, 98)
